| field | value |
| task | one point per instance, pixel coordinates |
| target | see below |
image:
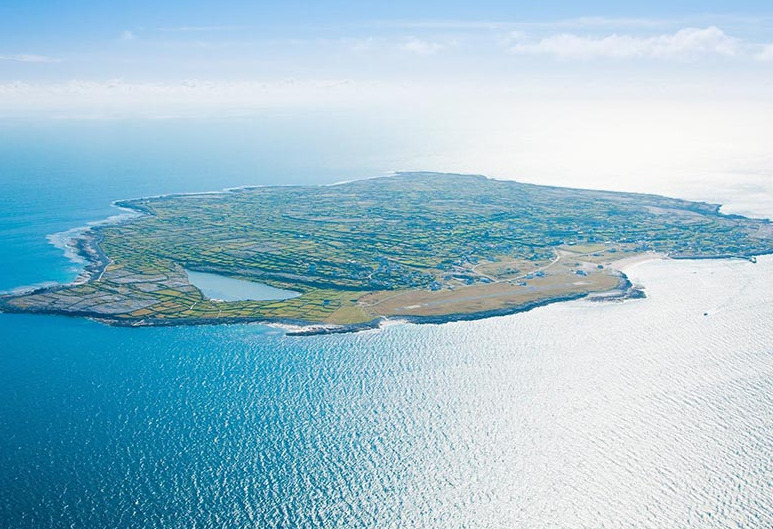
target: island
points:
(421, 247)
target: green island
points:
(422, 247)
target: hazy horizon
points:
(655, 98)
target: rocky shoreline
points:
(625, 290)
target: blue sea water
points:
(642, 414)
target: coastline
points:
(88, 245)
(623, 291)
(84, 244)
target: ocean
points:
(653, 413)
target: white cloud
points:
(422, 47)
(127, 35)
(766, 54)
(684, 43)
(27, 58)
(120, 98)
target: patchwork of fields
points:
(413, 244)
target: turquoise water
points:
(215, 286)
(641, 414)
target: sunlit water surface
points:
(645, 414)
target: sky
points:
(617, 94)
(293, 49)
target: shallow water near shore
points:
(653, 413)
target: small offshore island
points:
(422, 247)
